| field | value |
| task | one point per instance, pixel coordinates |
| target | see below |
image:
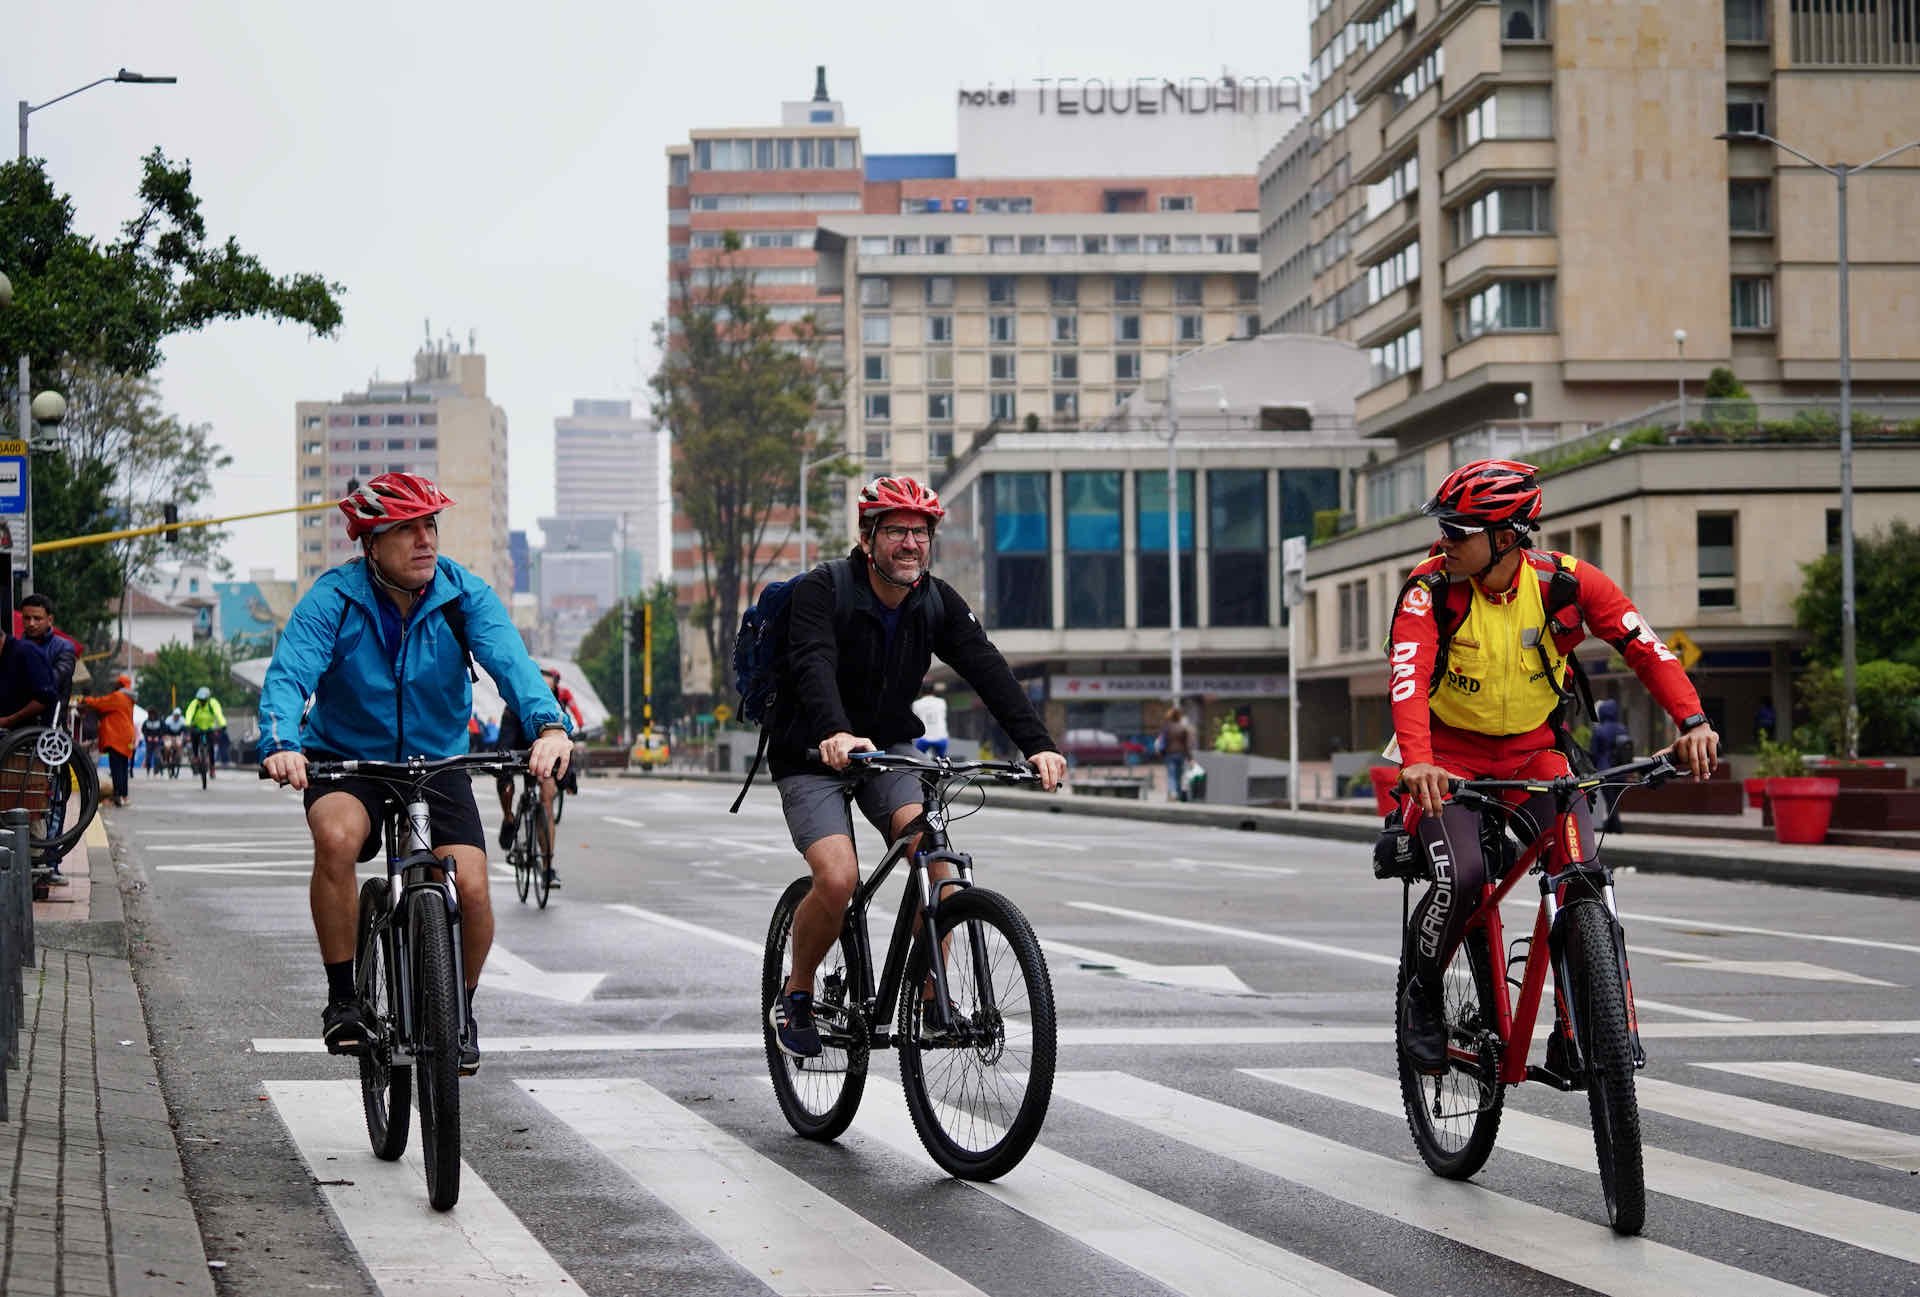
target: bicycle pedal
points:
(1564, 1084)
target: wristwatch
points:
(1693, 722)
(551, 726)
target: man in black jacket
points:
(847, 684)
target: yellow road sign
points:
(722, 714)
(13, 447)
(1684, 648)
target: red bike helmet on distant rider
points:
(389, 499)
(884, 495)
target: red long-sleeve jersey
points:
(1599, 606)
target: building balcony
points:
(1483, 258)
(1403, 122)
(1386, 317)
(1370, 73)
(1363, 136)
(1519, 157)
(1385, 396)
(1472, 48)
(1400, 219)
(1501, 349)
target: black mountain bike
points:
(200, 754)
(977, 1056)
(408, 972)
(531, 850)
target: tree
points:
(599, 658)
(180, 670)
(1888, 696)
(741, 401)
(1886, 571)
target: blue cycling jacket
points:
(374, 705)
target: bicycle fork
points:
(408, 885)
(1597, 887)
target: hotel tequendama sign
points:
(1145, 96)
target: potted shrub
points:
(1777, 761)
(1802, 804)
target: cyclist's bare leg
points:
(818, 918)
(476, 907)
(340, 826)
(506, 788)
(549, 789)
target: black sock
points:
(340, 980)
(471, 992)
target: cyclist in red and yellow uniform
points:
(1487, 711)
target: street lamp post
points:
(1680, 350)
(1840, 171)
(26, 376)
(1177, 683)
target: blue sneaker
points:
(792, 1020)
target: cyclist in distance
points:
(511, 736)
(847, 684)
(204, 716)
(1505, 618)
(381, 645)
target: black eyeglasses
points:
(899, 534)
(1455, 532)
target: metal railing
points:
(16, 941)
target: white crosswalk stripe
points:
(1579, 1251)
(1833, 1080)
(1782, 1125)
(480, 1249)
(786, 1233)
(1886, 1230)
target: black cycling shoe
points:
(1423, 1030)
(470, 1048)
(345, 1027)
(553, 880)
(929, 1031)
(1557, 1061)
(792, 1020)
(506, 833)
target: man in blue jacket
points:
(377, 644)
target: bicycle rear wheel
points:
(203, 762)
(979, 1096)
(386, 1087)
(818, 1096)
(437, 1021)
(33, 762)
(539, 857)
(1601, 1010)
(1454, 1117)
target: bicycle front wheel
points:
(386, 1087)
(35, 764)
(539, 850)
(1600, 1002)
(437, 1022)
(1455, 1116)
(819, 1095)
(979, 1093)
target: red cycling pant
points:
(1453, 844)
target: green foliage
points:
(1326, 524)
(1886, 572)
(1723, 386)
(1031, 423)
(741, 396)
(1779, 760)
(1590, 451)
(178, 671)
(599, 659)
(84, 582)
(1888, 695)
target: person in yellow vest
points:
(204, 719)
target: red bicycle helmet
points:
(1488, 493)
(391, 498)
(885, 494)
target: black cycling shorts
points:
(453, 816)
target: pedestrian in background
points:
(931, 710)
(117, 734)
(1175, 744)
(1610, 744)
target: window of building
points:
(1188, 290)
(1096, 576)
(1001, 366)
(677, 169)
(879, 445)
(1126, 328)
(1000, 407)
(1000, 328)
(1066, 366)
(1249, 325)
(1063, 245)
(876, 367)
(1126, 366)
(995, 203)
(1415, 81)
(1752, 302)
(876, 330)
(940, 407)
(1394, 357)
(1066, 406)
(312, 421)
(1353, 616)
(939, 245)
(428, 443)
(1509, 113)
(875, 245)
(1002, 245)
(1019, 584)
(1749, 206)
(1246, 289)
(906, 245)
(1001, 290)
(1032, 245)
(312, 447)
(1066, 328)
(312, 470)
(1833, 531)
(939, 445)
(1401, 267)
(939, 366)
(1510, 209)
(939, 290)
(1150, 530)
(1746, 20)
(940, 329)
(1747, 109)
(1190, 328)
(1126, 243)
(875, 291)
(1714, 539)
(1093, 245)
(1237, 546)
(1126, 289)
(1176, 202)
(1505, 306)
(1063, 290)
(1523, 20)
(879, 406)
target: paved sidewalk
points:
(92, 1200)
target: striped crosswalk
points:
(771, 1215)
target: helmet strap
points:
(1496, 555)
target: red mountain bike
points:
(1455, 1115)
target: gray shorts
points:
(816, 805)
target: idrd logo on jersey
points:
(1631, 620)
(1403, 683)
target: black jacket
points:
(842, 678)
(25, 675)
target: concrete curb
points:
(1709, 859)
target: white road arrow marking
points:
(1198, 977)
(1794, 968)
(506, 971)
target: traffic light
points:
(637, 625)
(170, 514)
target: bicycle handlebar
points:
(1653, 770)
(1011, 772)
(414, 768)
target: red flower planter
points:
(1383, 779)
(1756, 793)
(1802, 807)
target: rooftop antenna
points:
(820, 83)
(473, 347)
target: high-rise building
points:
(610, 463)
(439, 423)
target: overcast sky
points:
(498, 167)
